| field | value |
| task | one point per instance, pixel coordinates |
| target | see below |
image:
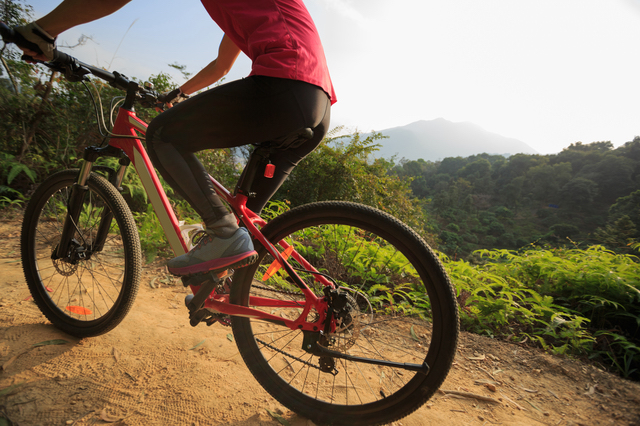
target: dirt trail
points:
(154, 369)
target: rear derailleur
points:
(340, 312)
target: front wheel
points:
(401, 309)
(88, 292)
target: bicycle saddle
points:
(293, 139)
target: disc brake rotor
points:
(64, 268)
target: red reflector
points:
(79, 310)
(269, 170)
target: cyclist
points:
(289, 89)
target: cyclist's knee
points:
(153, 141)
(154, 132)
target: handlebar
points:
(75, 70)
(9, 35)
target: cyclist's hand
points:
(173, 97)
(36, 35)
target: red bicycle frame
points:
(128, 124)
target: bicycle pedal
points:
(197, 317)
(209, 317)
(197, 301)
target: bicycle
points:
(347, 317)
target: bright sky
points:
(547, 72)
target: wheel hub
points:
(63, 266)
(347, 325)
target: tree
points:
(613, 176)
(418, 167)
(517, 165)
(479, 169)
(565, 230)
(15, 12)
(342, 168)
(579, 193)
(512, 193)
(451, 165)
(12, 13)
(545, 180)
(631, 149)
(419, 187)
(627, 206)
(479, 172)
(581, 155)
(618, 235)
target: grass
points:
(568, 301)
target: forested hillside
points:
(587, 194)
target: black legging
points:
(252, 110)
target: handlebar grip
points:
(5, 32)
(9, 35)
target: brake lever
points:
(148, 99)
(71, 70)
(74, 72)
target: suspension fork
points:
(74, 207)
(107, 214)
(76, 200)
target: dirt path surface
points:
(155, 369)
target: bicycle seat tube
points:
(258, 157)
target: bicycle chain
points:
(223, 319)
(290, 293)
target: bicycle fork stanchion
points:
(74, 208)
(107, 215)
(75, 203)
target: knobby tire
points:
(403, 309)
(90, 296)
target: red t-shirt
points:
(278, 36)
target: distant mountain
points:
(437, 139)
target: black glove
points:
(173, 97)
(36, 35)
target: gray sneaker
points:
(213, 253)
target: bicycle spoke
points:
(379, 304)
(344, 249)
(87, 288)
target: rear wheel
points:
(89, 291)
(401, 308)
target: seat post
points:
(258, 157)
